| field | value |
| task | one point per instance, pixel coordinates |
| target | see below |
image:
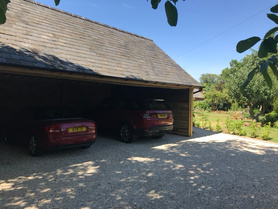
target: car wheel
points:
(159, 136)
(126, 133)
(5, 138)
(88, 145)
(34, 147)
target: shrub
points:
(204, 105)
(238, 126)
(217, 127)
(194, 120)
(210, 127)
(232, 126)
(242, 132)
(275, 105)
(275, 124)
(271, 118)
(204, 121)
(229, 125)
(266, 131)
(254, 127)
(197, 124)
(234, 106)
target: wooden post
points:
(190, 112)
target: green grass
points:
(204, 118)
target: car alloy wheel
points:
(126, 133)
(34, 147)
(5, 138)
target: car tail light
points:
(92, 128)
(53, 128)
(149, 115)
(146, 116)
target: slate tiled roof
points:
(41, 37)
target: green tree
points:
(217, 99)
(209, 78)
(209, 81)
(214, 92)
(228, 72)
(256, 94)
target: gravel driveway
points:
(208, 170)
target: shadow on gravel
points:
(208, 170)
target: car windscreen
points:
(56, 113)
(154, 105)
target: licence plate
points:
(162, 115)
(77, 129)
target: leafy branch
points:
(267, 51)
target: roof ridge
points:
(86, 19)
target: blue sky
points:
(204, 41)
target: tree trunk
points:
(252, 114)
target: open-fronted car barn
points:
(49, 57)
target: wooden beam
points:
(190, 112)
(86, 77)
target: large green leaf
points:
(273, 17)
(155, 3)
(274, 9)
(2, 17)
(270, 32)
(273, 62)
(57, 2)
(172, 13)
(243, 45)
(276, 38)
(265, 74)
(3, 5)
(267, 46)
(273, 68)
(270, 45)
(247, 81)
(262, 51)
(3, 9)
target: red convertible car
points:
(48, 128)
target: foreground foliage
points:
(267, 50)
(222, 122)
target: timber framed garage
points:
(50, 57)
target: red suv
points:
(133, 118)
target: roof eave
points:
(70, 75)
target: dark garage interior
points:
(19, 91)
